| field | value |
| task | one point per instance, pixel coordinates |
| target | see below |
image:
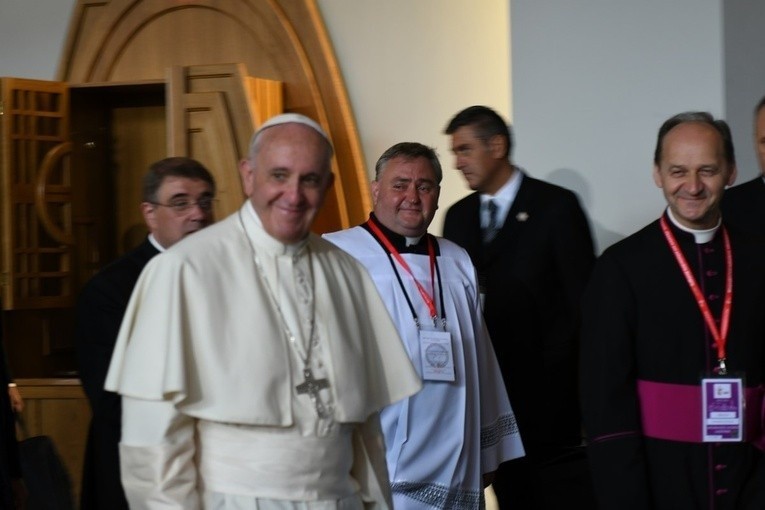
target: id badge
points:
(437, 355)
(723, 409)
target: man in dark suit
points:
(743, 206)
(178, 197)
(531, 244)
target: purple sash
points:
(673, 412)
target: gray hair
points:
(409, 150)
(173, 167)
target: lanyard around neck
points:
(720, 335)
(427, 298)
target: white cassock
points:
(212, 417)
(441, 440)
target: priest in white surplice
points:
(254, 356)
(443, 443)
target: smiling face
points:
(693, 174)
(287, 179)
(169, 225)
(405, 195)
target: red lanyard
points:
(720, 335)
(431, 252)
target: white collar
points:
(507, 193)
(155, 243)
(701, 236)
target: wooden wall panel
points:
(213, 111)
(138, 137)
(208, 137)
(59, 409)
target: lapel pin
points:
(522, 216)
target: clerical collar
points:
(417, 245)
(155, 243)
(700, 236)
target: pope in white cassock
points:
(254, 356)
(444, 443)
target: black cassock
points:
(743, 206)
(642, 323)
(100, 308)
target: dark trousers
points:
(553, 481)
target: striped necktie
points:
(492, 227)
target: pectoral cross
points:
(312, 387)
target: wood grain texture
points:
(279, 40)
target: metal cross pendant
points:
(312, 387)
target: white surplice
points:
(441, 440)
(208, 376)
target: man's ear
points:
(375, 188)
(732, 176)
(498, 146)
(657, 176)
(245, 173)
(147, 210)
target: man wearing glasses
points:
(178, 196)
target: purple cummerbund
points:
(673, 412)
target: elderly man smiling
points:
(260, 386)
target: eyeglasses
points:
(182, 205)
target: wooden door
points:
(123, 41)
(212, 112)
(36, 217)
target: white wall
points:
(32, 36)
(744, 77)
(409, 65)
(592, 83)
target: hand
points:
(17, 403)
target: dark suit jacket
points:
(534, 272)
(743, 206)
(100, 308)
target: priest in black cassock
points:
(674, 309)
(178, 195)
(744, 205)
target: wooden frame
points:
(280, 40)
